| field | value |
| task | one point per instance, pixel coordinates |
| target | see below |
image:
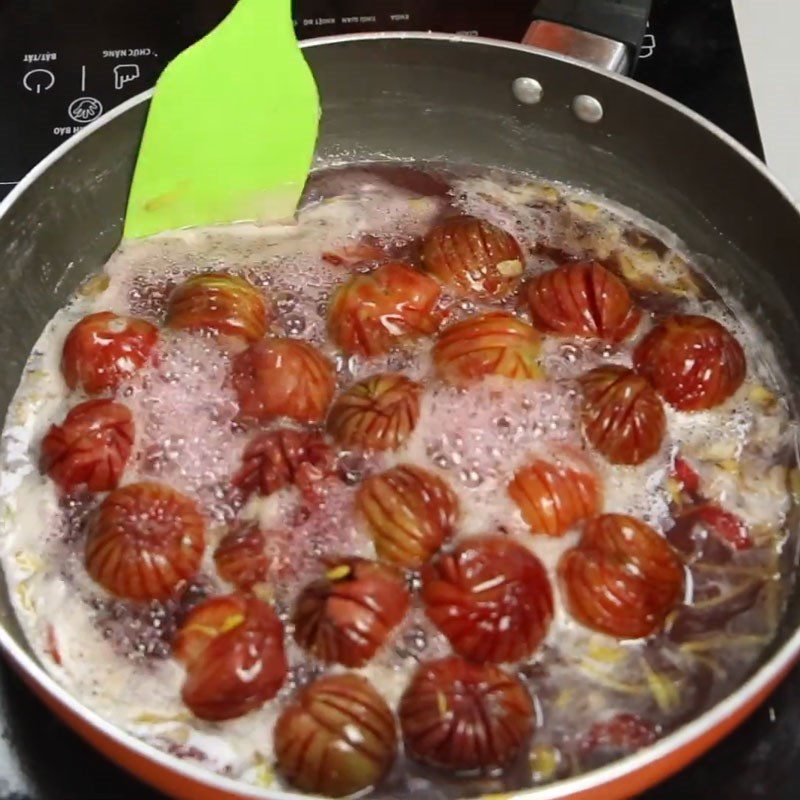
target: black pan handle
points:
(620, 21)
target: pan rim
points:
(759, 682)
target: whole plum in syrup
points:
(285, 457)
(583, 300)
(337, 737)
(623, 417)
(283, 377)
(473, 256)
(144, 540)
(464, 717)
(622, 578)
(232, 647)
(105, 349)
(370, 314)
(496, 343)
(409, 512)
(554, 495)
(219, 303)
(347, 615)
(241, 557)
(693, 362)
(490, 597)
(378, 413)
(90, 448)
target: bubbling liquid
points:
(115, 655)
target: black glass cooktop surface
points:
(62, 64)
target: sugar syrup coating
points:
(220, 303)
(555, 493)
(104, 349)
(371, 313)
(283, 377)
(623, 417)
(90, 448)
(490, 597)
(692, 361)
(232, 647)
(622, 578)
(584, 300)
(144, 541)
(347, 615)
(496, 343)
(337, 737)
(241, 558)
(465, 717)
(473, 256)
(378, 413)
(409, 512)
(285, 457)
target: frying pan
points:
(438, 98)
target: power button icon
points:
(38, 80)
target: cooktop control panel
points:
(63, 65)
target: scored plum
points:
(241, 557)
(90, 448)
(219, 303)
(105, 349)
(144, 541)
(232, 647)
(496, 343)
(283, 377)
(346, 616)
(285, 457)
(692, 361)
(336, 738)
(623, 578)
(371, 313)
(409, 512)
(378, 413)
(490, 597)
(473, 256)
(556, 493)
(583, 300)
(623, 417)
(464, 717)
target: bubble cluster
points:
(482, 432)
(185, 411)
(138, 631)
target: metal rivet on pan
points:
(527, 90)
(587, 108)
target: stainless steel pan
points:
(462, 100)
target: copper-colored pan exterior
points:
(436, 98)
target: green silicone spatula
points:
(231, 129)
